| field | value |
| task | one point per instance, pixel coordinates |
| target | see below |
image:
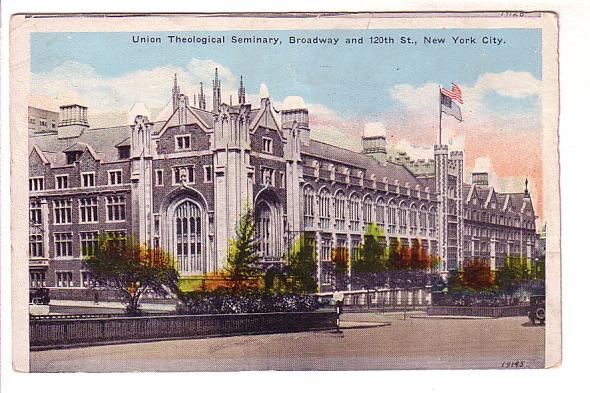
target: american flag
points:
(454, 93)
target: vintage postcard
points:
(285, 191)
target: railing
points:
(383, 299)
(480, 311)
(51, 333)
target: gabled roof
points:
(264, 116)
(103, 143)
(371, 166)
(41, 155)
(518, 200)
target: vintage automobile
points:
(537, 309)
(39, 296)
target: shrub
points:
(224, 302)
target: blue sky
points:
(349, 89)
(352, 80)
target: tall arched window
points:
(324, 207)
(339, 210)
(422, 221)
(354, 212)
(308, 210)
(431, 222)
(380, 213)
(263, 228)
(403, 217)
(188, 238)
(413, 219)
(391, 213)
(367, 210)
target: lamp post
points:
(408, 283)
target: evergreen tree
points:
(243, 251)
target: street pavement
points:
(366, 341)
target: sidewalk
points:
(361, 324)
(449, 317)
(111, 304)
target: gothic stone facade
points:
(183, 183)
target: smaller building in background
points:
(42, 121)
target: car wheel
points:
(36, 301)
(540, 314)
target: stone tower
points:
(141, 179)
(295, 126)
(449, 187)
(233, 173)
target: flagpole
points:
(439, 116)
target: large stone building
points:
(182, 184)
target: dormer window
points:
(183, 142)
(267, 145)
(124, 152)
(73, 156)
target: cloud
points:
(376, 128)
(502, 124)
(413, 150)
(508, 83)
(80, 83)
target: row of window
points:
(184, 174)
(181, 174)
(476, 215)
(88, 210)
(498, 234)
(87, 180)
(183, 143)
(268, 178)
(63, 279)
(63, 243)
(42, 122)
(390, 215)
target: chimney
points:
(301, 116)
(375, 142)
(73, 120)
(479, 178)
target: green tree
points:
(243, 252)
(303, 265)
(368, 271)
(516, 274)
(132, 269)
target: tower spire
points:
(216, 92)
(202, 98)
(241, 92)
(175, 93)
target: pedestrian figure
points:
(95, 297)
(338, 298)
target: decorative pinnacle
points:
(241, 92)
